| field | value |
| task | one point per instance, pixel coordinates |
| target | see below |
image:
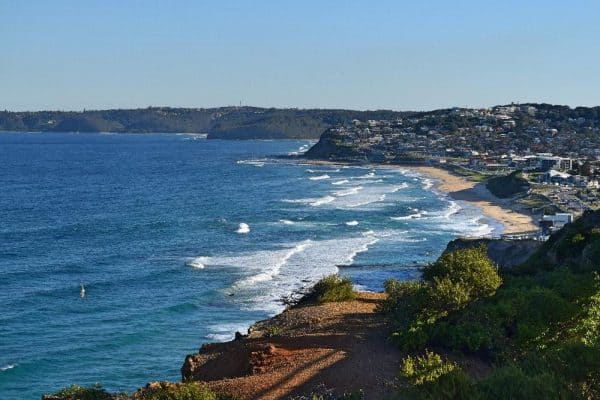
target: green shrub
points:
(332, 288)
(273, 330)
(75, 392)
(446, 295)
(452, 282)
(571, 246)
(456, 384)
(183, 391)
(470, 268)
(512, 382)
(426, 368)
(411, 338)
(404, 300)
(539, 331)
(588, 327)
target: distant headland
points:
(247, 122)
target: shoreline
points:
(476, 194)
(459, 188)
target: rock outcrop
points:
(504, 253)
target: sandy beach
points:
(502, 211)
(476, 193)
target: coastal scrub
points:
(332, 288)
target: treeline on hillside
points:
(221, 123)
(473, 332)
(264, 123)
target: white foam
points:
(196, 262)
(453, 208)
(286, 222)
(301, 150)
(243, 228)
(270, 275)
(352, 223)
(255, 163)
(407, 217)
(348, 192)
(322, 171)
(274, 269)
(323, 200)
(7, 367)
(403, 185)
(427, 184)
(341, 182)
(319, 178)
(226, 332)
(367, 176)
(411, 240)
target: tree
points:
(461, 276)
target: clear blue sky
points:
(397, 55)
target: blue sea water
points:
(179, 241)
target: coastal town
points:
(545, 159)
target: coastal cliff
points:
(330, 148)
(504, 253)
(333, 347)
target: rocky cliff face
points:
(504, 253)
(330, 148)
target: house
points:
(556, 177)
(552, 223)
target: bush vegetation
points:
(162, 391)
(183, 391)
(536, 327)
(76, 392)
(452, 282)
(332, 288)
(509, 185)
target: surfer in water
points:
(82, 292)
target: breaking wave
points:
(243, 228)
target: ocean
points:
(178, 241)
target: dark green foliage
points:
(449, 284)
(75, 392)
(466, 275)
(331, 288)
(576, 246)
(513, 382)
(509, 185)
(220, 123)
(539, 332)
(184, 391)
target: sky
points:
(399, 55)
